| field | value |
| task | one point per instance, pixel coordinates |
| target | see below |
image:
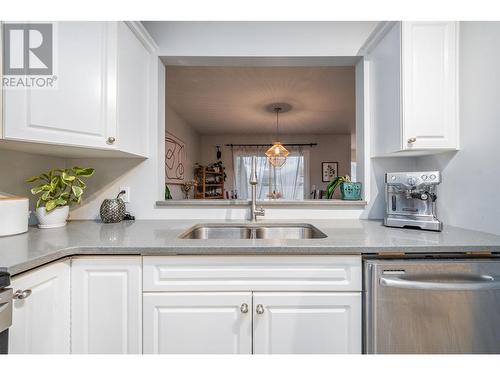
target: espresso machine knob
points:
(411, 181)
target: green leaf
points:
(33, 178)
(67, 177)
(50, 205)
(37, 189)
(45, 196)
(84, 172)
(61, 202)
(77, 191)
(82, 184)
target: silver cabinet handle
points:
(260, 309)
(412, 140)
(111, 140)
(244, 308)
(22, 294)
(478, 283)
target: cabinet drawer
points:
(256, 273)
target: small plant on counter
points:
(59, 189)
(332, 185)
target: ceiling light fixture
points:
(277, 154)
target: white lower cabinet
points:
(198, 323)
(41, 316)
(307, 323)
(190, 305)
(252, 304)
(106, 308)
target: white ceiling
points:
(222, 100)
(259, 38)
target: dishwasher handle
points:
(479, 283)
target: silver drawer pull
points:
(412, 140)
(111, 140)
(22, 294)
(260, 309)
(244, 308)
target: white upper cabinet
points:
(134, 91)
(413, 69)
(103, 81)
(79, 111)
(41, 316)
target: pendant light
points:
(277, 154)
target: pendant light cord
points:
(277, 109)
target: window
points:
(286, 182)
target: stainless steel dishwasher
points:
(432, 306)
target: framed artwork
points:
(175, 155)
(330, 170)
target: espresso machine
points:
(411, 200)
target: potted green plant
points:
(59, 188)
(333, 184)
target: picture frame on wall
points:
(330, 170)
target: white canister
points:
(14, 214)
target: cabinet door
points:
(307, 323)
(384, 64)
(81, 110)
(198, 323)
(41, 322)
(430, 85)
(106, 310)
(133, 92)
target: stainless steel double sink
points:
(253, 231)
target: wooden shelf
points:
(206, 187)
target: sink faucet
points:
(254, 211)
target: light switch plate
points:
(126, 197)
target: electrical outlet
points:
(125, 197)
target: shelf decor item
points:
(350, 191)
(332, 186)
(113, 210)
(186, 188)
(175, 155)
(59, 189)
(330, 170)
(168, 194)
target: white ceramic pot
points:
(53, 219)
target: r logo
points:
(27, 49)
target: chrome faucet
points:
(254, 211)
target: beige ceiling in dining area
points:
(229, 100)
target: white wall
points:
(146, 178)
(330, 148)
(182, 130)
(259, 38)
(469, 195)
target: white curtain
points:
(289, 180)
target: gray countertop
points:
(160, 237)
